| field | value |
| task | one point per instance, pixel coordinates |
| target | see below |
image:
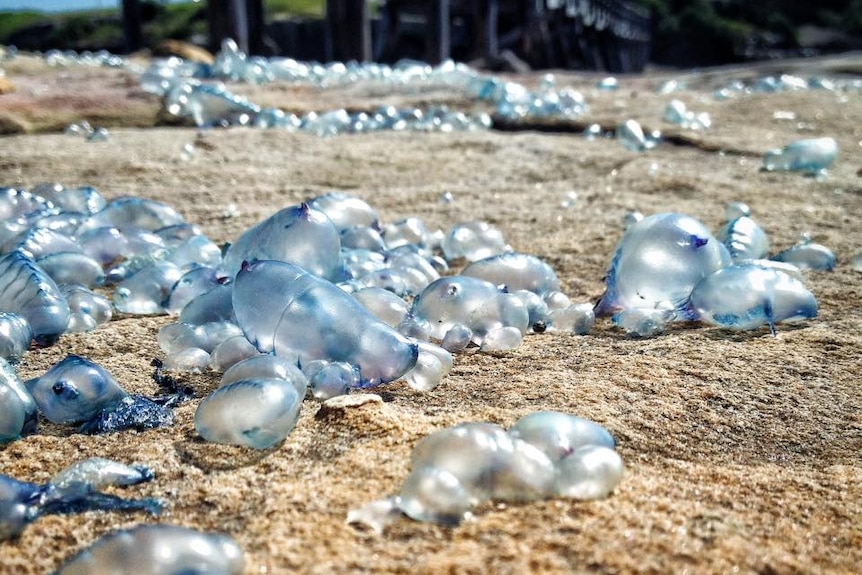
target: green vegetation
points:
(716, 31)
(96, 29)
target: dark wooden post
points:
(228, 19)
(348, 30)
(132, 31)
(437, 32)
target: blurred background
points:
(610, 35)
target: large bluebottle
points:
(658, 261)
(78, 391)
(256, 413)
(299, 235)
(18, 413)
(283, 308)
(158, 550)
(747, 296)
(26, 290)
(75, 489)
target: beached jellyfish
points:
(362, 238)
(432, 365)
(384, 304)
(83, 199)
(735, 210)
(266, 366)
(473, 240)
(256, 413)
(216, 305)
(78, 391)
(744, 239)
(406, 231)
(18, 413)
(197, 281)
(591, 472)
(345, 210)
(15, 336)
(195, 250)
(558, 434)
(747, 296)
(130, 212)
(544, 454)
(75, 489)
(809, 156)
(283, 308)
(645, 322)
(26, 290)
(39, 242)
(515, 271)
(631, 136)
(660, 259)
(327, 379)
(72, 268)
(299, 235)
(88, 309)
(158, 550)
(231, 351)
(577, 318)
(808, 255)
(145, 292)
(449, 301)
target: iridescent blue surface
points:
(748, 296)
(283, 308)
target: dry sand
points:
(742, 450)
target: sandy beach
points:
(742, 450)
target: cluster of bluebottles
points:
(669, 267)
(149, 549)
(323, 296)
(75, 489)
(544, 454)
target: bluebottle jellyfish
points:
(545, 454)
(15, 336)
(28, 291)
(808, 255)
(515, 271)
(256, 413)
(744, 239)
(300, 235)
(283, 308)
(75, 489)
(18, 413)
(345, 210)
(78, 391)
(133, 212)
(659, 260)
(747, 296)
(158, 550)
(809, 156)
(473, 240)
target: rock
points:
(184, 50)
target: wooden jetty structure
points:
(607, 35)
